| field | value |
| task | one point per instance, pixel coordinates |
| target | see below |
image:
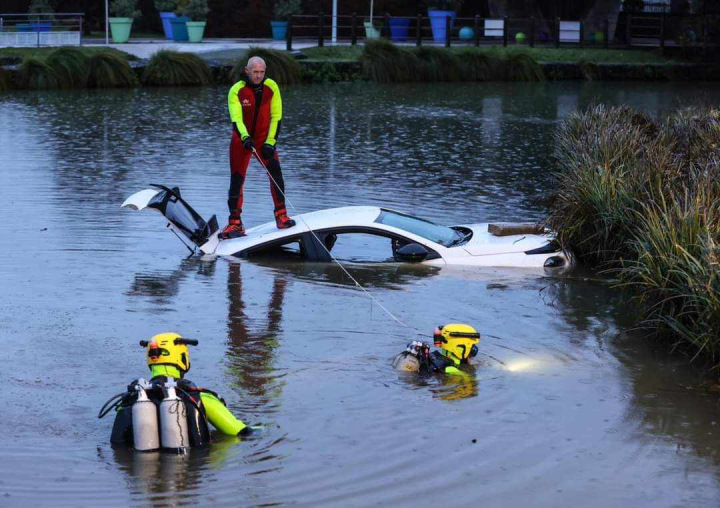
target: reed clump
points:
(641, 200)
(384, 62)
(172, 68)
(108, 70)
(4, 80)
(70, 66)
(281, 67)
(34, 74)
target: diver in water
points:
(169, 411)
(457, 343)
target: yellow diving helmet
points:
(457, 341)
(169, 348)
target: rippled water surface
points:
(567, 408)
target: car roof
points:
(329, 218)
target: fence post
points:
(476, 30)
(353, 29)
(321, 22)
(288, 34)
(607, 33)
(628, 22)
(448, 19)
(386, 27)
(419, 30)
(582, 34)
(505, 34)
(532, 32)
(557, 32)
(662, 33)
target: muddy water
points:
(567, 408)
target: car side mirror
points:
(411, 253)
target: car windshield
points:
(435, 233)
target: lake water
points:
(567, 406)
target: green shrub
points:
(383, 62)
(480, 66)
(280, 66)
(4, 80)
(125, 9)
(522, 67)
(642, 200)
(284, 9)
(70, 66)
(589, 70)
(34, 74)
(40, 7)
(438, 64)
(196, 10)
(107, 70)
(165, 5)
(170, 68)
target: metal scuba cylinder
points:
(173, 421)
(146, 435)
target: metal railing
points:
(641, 30)
(56, 29)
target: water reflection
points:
(162, 478)
(162, 286)
(252, 342)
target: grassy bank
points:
(641, 200)
(43, 53)
(540, 55)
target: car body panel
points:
(312, 230)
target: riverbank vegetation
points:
(384, 62)
(70, 67)
(641, 200)
(171, 68)
(284, 69)
(540, 55)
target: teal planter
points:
(179, 29)
(120, 29)
(195, 30)
(167, 26)
(279, 30)
(437, 23)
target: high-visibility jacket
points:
(256, 111)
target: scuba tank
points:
(146, 437)
(173, 421)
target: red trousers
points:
(239, 161)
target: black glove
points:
(268, 151)
(248, 143)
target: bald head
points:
(255, 70)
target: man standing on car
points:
(256, 114)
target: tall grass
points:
(4, 80)
(523, 67)
(34, 74)
(439, 64)
(70, 66)
(108, 70)
(384, 62)
(642, 201)
(171, 68)
(281, 67)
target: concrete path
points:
(145, 48)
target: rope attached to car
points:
(322, 244)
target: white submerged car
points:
(411, 239)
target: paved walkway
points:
(145, 48)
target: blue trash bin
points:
(179, 29)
